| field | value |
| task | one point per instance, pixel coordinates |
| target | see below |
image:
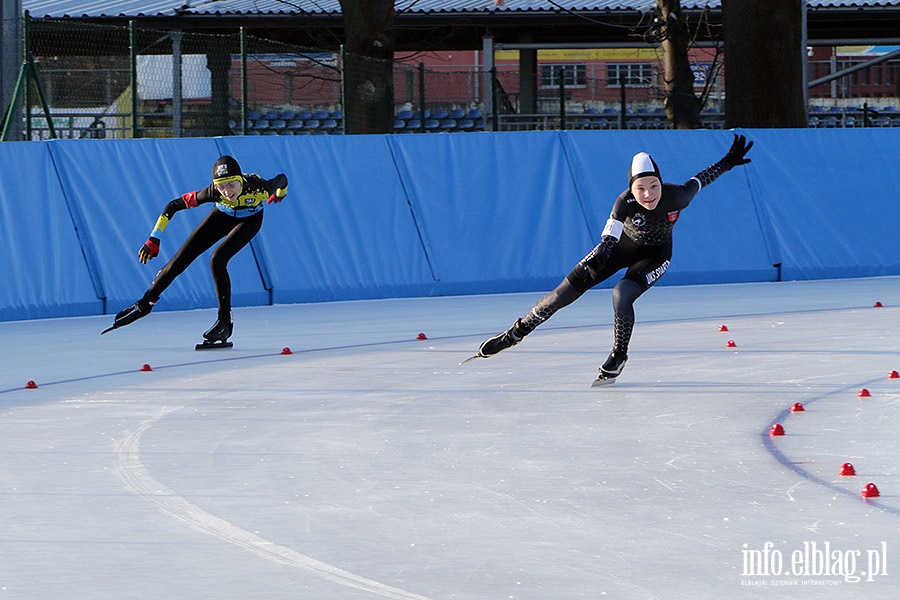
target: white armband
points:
(613, 228)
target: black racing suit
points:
(635, 239)
(237, 221)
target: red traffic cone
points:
(877, 305)
(894, 375)
(847, 470)
(730, 344)
(797, 407)
(146, 367)
(776, 429)
(421, 336)
(31, 385)
(863, 393)
(723, 327)
(286, 350)
(870, 491)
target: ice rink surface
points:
(368, 463)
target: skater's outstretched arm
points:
(150, 249)
(735, 156)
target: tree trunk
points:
(764, 52)
(682, 106)
(368, 66)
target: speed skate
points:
(213, 345)
(216, 337)
(603, 381)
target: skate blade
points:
(603, 381)
(213, 345)
(108, 329)
(471, 358)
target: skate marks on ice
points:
(131, 470)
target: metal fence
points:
(101, 81)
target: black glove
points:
(737, 152)
(280, 184)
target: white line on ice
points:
(131, 470)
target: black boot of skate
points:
(501, 341)
(611, 368)
(217, 335)
(129, 315)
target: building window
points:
(634, 74)
(574, 76)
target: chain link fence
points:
(102, 81)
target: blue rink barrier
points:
(391, 216)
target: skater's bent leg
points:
(207, 233)
(239, 237)
(565, 294)
(623, 297)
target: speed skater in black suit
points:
(238, 200)
(637, 237)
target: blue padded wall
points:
(346, 230)
(497, 212)
(43, 269)
(828, 201)
(417, 215)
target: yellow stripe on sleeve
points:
(160, 226)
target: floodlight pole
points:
(132, 43)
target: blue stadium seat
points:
(329, 125)
(288, 115)
(311, 125)
(432, 125)
(272, 115)
(413, 125)
(440, 114)
(405, 115)
(448, 124)
(295, 125)
(278, 126)
(321, 115)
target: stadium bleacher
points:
(456, 120)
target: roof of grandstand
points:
(461, 24)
